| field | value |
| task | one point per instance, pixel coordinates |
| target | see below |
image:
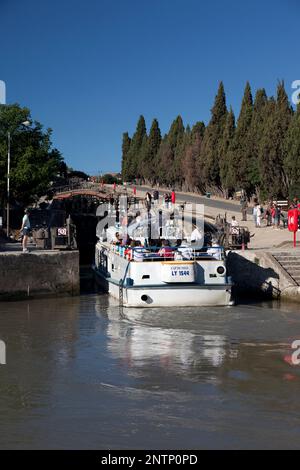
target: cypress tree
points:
(241, 147)
(226, 143)
(170, 164)
(284, 113)
(176, 133)
(267, 151)
(191, 155)
(125, 150)
(209, 162)
(136, 147)
(164, 157)
(292, 155)
(256, 131)
(149, 168)
(271, 155)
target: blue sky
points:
(88, 69)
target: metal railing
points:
(181, 253)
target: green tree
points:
(256, 136)
(292, 155)
(135, 150)
(240, 152)
(227, 139)
(164, 159)
(191, 156)
(209, 161)
(149, 165)
(34, 163)
(271, 155)
(125, 150)
(169, 154)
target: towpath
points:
(264, 237)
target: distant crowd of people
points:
(271, 214)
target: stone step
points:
(291, 268)
(287, 258)
(287, 253)
(293, 274)
(288, 267)
(289, 264)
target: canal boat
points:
(147, 276)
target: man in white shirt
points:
(234, 222)
(25, 229)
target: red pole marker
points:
(293, 215)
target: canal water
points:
(81, 374)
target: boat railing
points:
(169, 253)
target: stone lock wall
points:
(39, 273)
(257, 273)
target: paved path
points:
(216, 203)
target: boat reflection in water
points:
(225, 346)
(143, 337)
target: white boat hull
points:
(163, 283)
(166, 296)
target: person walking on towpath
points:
(155, 197)
(259, 212)
(255, 213)
(244, 206)
(148, 201)
(25, 229)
